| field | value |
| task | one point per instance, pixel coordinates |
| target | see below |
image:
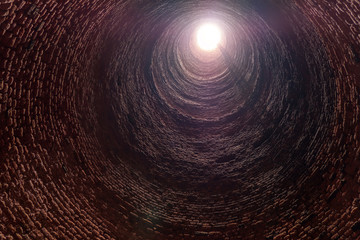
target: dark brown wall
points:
(113, 126)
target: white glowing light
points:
(208, 37)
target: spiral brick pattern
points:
(114, 125)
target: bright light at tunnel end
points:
(208, 36)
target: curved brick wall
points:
(114, 126)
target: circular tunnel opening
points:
(208, 36)
(116, 124)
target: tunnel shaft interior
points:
(115, 125)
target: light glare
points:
(208, 37)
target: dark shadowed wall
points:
(113, 125)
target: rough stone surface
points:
(114, 126)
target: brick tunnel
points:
(113, 125)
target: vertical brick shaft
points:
(114, 126)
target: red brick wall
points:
(97, 142)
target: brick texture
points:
(113, 125)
